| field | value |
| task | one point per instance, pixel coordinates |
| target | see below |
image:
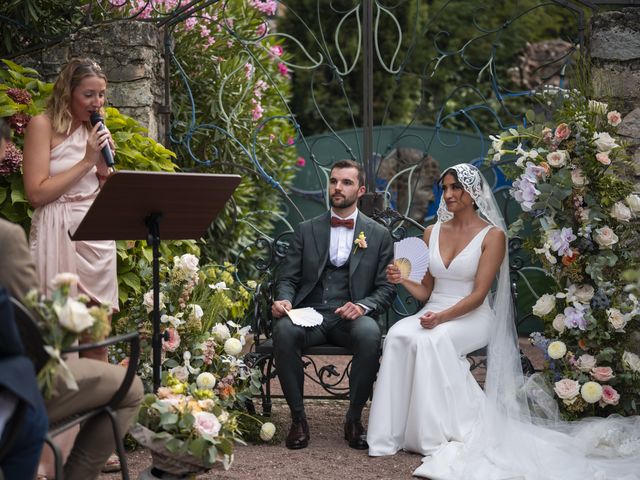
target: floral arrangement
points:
(187, 429)
(63, 319)
(572, 184)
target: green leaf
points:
(168, 418)
(173, 445)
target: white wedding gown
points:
(426, 400)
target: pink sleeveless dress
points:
(53, 251)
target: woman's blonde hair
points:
(59, 106)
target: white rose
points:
(567, 389)
(578, 178)
(633, 201)
(557, 349)
(232, 347)
(605, 237)
(545, 304)
(69, 279)
(74, 315)
(221, 331)
(585, 363)
(603, 158)
(206, 423)
(614, 118)
(206, 381)
(187, 263)
(621, 212)
(558, 323)
(591, 392)
(557, 159)
(584, 293)
(631, 361)
(604, 142)
(267, 431)
(181, 373)
(148, 301)
(617, 320)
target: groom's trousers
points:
(361, 336)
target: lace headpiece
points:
(471, 180)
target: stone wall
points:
(130, 54)
(614, 49)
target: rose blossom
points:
(617, 320)
(545, 305)
(74, 315)
(69, 279)
(614, 118)
(604, 142)
(603, 158)
(580, 293)
(633, 201)
(232, 347)
(181, 373)
(567, 389)
(586, 363)
(221, 331)
(621, 212)
(578, 178)
(605, 237)
(557, 159)
(187, 263)
(602, 374)
(562, 132)
(557, 349)
(148, 301)
(591, 392)
(206, 423)
(174, 340)
(266, 431)
(164, 392)
(609, 396)
(558, 323)
(631, 361)
(547, 135)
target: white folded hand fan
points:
(305, 317)
(411, 256)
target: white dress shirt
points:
(341, 241)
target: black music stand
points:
(132, 205)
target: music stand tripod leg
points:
(153, 239)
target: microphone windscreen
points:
(95, 118)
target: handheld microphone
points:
(106, 150)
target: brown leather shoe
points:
(355, 435)
(298, 436)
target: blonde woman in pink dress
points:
(63, 172)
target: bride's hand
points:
(430, 320)
(393, 274)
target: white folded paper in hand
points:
(411, 256)
(305, 317)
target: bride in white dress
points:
(426, 400)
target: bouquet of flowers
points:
(63, 319)
(187, 428)
(572, 181)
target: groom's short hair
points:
(351, 164)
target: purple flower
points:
(575, 317)
(533, 172)
(560, 240)
(525, 193)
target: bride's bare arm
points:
(493, 251)
(420, 291)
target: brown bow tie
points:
(339, 222)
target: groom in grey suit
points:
(346, 282)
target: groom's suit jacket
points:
(309, 252)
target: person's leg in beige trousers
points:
(97, 382)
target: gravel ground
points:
(326, 458)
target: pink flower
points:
(547, 135)
(174, 340)
(614, 118)
(284, 71)
(248, 70)
(190, 23)
(164, 392)
(567, 389)
(603, 158)
(290, 141)
(602, 374)
(300, 162)
(261, 30)
(206, 423)
(276, 51)
(609, 396)
(20, 95)
(256, 113)
(562, 132)
(268, 7)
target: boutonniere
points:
(360, 242)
